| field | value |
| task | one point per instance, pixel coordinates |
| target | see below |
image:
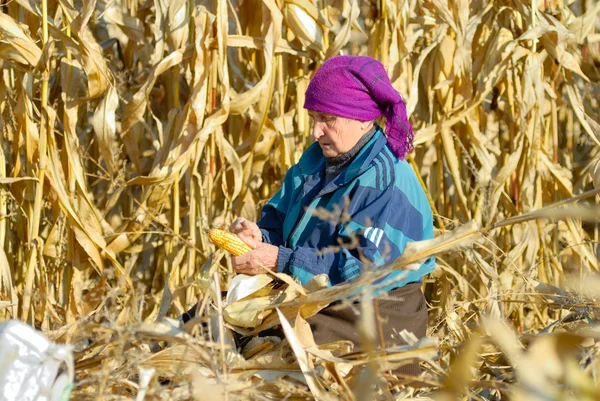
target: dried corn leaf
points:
(583, 24)
(241, 102)
(303, 360)
(591, 127)
(104, 122)
(343, 36)
(136, 108)
(132, 27)
(92, 60)
(15, 45)
(177, 23)
(553, 39)
(248, 313)
(303, 24)
(243, 286)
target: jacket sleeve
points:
(273, 213)
(376, 234)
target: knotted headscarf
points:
(358, 87)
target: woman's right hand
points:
(248, 231)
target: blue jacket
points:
(377, 200)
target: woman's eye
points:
(321, 119)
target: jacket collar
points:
(312, 163)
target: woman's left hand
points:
(253, 263)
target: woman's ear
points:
(366, 125)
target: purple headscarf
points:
(358, 87)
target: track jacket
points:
(377, 201)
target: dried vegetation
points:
(129, 127)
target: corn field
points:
(129, 128)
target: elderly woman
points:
(353, 168)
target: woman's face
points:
(336, 135)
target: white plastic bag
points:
(30, 364)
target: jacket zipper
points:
(319, 195)
(300, 220)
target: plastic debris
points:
(32, 368)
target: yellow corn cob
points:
(228, 241)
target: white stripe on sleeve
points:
(378, 240)
(374, 234)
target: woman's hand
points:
(254, 262)
(248, 231)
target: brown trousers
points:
(402, 308)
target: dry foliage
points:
(129, 127)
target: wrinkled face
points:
(336, 135)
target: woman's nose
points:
(317, 132)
